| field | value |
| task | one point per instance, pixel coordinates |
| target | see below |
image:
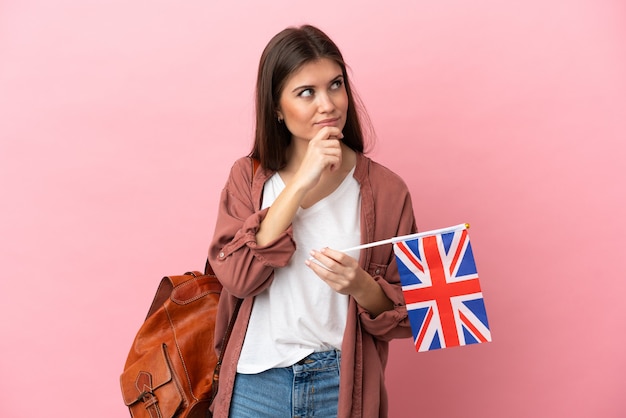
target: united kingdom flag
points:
(441, 290)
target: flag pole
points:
(407, 237)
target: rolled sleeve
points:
(243, 268)
(390, 324)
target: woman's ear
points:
(279, 116)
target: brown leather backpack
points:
(169, 371)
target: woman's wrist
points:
(371, 296)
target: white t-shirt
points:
(299, 313)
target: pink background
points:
(119, 121)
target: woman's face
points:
(313, 97)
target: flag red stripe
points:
(465, 287)
(410, 256)
(422, 334)
(442, 297)
(472, 328)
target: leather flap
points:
(145, 375)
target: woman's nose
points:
(325, 103)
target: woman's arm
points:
(308, 161)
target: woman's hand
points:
(323, 153)
(344, 275)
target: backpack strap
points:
(255, 166)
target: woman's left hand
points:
(344, 275)
(340, 271)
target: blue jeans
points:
(309, 388)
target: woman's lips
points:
(328, 122)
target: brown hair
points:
(284, 54)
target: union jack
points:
(441, 290)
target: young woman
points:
(311, 336)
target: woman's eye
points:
(306, 93)
(336, 84)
